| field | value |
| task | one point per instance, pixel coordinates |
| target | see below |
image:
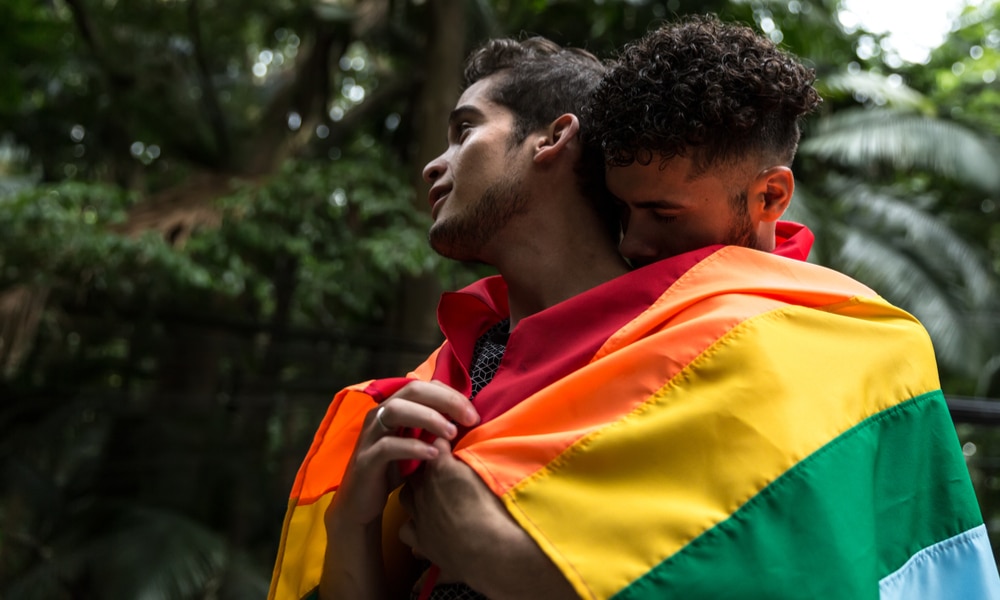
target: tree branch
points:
(390, 88)
(209, 96)
(303, 94)
(117, 82)
(116, 77)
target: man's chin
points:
(447, 247)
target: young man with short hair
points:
(511, 190)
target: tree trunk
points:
(414, 314)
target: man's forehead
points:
(477, 93)
(658, 183)
(475, 105)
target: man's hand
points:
(352, 565)
(430, 406)
(460, 526)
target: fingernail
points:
(432, 452)
(450, 431)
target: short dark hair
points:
(716, 92)
(538, 81)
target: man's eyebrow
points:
(464, 110)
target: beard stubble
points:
(741, 232)
(464, 236)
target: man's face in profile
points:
(475, 183)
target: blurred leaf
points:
(904, 141)
(868, 85)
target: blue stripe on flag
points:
(959, 567)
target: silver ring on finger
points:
(381, 423)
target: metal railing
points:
(975, 410)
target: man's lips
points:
(436, 200)
(437, 205)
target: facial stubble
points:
(741, 232)
(464, 236)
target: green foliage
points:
(313, 248)
(347, 227)
(870, 87)
(67, 233)
(60, 541)
(31, 38)
(904, 141)
(961, 76)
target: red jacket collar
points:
(793, 240)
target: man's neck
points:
(543, 274)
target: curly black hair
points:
(713, 91)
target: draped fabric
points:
(736, 425)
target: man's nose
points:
(434, 169)
(636, 249)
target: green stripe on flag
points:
(837, 522)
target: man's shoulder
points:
(735, 283)
(744, 270)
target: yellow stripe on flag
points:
(300, 563)
(769, 393)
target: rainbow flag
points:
(766, 428)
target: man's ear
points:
(556, 138)
(771, 191)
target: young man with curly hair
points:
(699, 123)
(821, 460)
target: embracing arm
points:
(459, 525)
(513, 567)
(352, 567)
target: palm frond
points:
(158, 555)
(889, 271)
(800, 209)
(976, 15)
(45, 581)
(906, 254)
(137, 553)
(938, 247)
(242, 579)
(812, 210)
(875, 86)
(904, 140)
